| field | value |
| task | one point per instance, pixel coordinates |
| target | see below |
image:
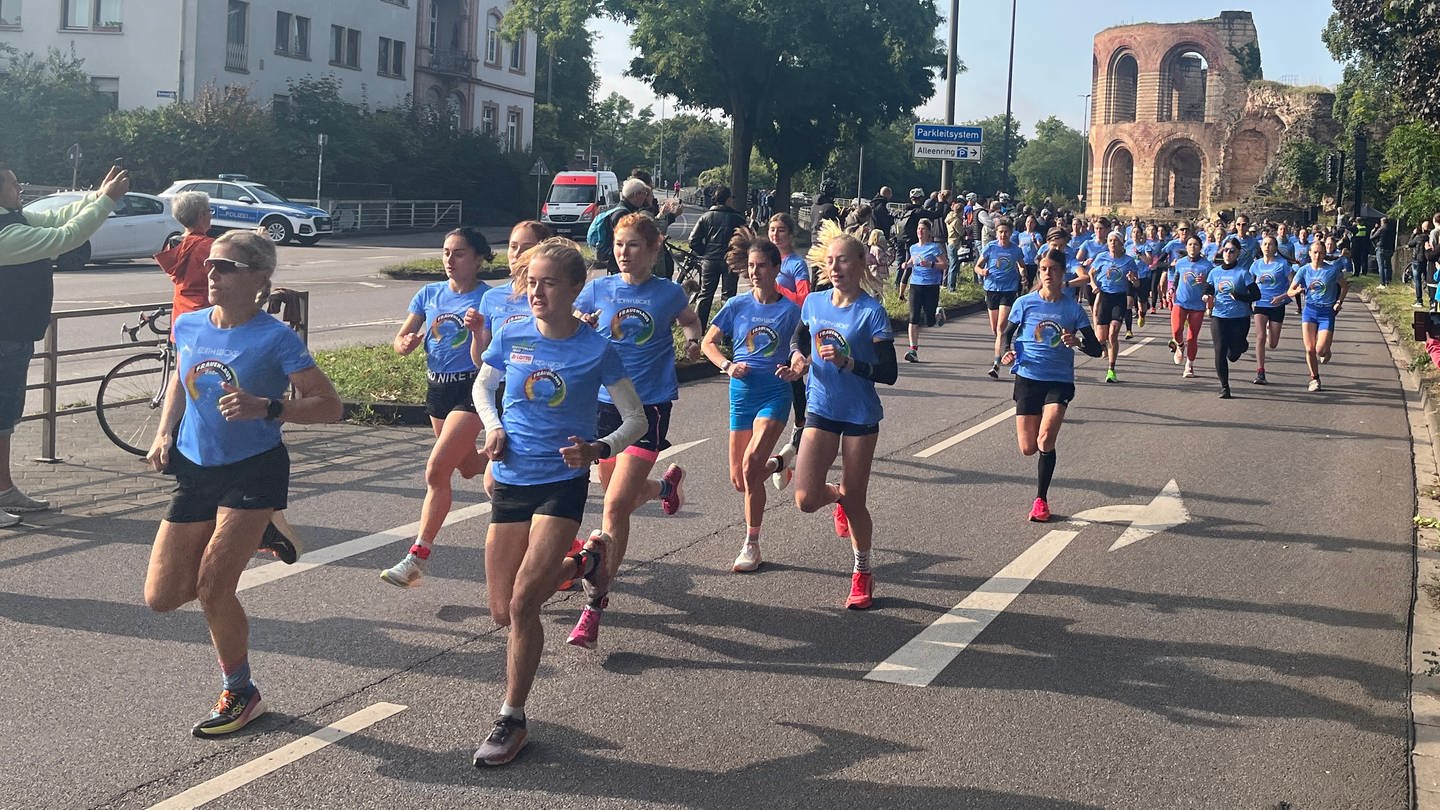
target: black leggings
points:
(797, 402)
(716, 275)
(1231, 339)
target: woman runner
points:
(853, 349)
(1113, 275)
(553, 368)
(999, 266)
(1040, 338)
(1272, 273)
(1325, 287)
(1188, 309)
(927, 265)
(1229, 292)
(794, 283)
(232, 471)
(760, 327)
(437, 321)
(636, 310)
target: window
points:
(512, 130)
(108, 88)
(487, 119)
(9, 13)
(517, 55)
(492, 39)
(92, 15)
(434, 23)
(237, 37)
(292, 35)
(344, 47)
(392, 58)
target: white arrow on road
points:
(924, 657)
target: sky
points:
(1053, 40)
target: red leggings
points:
(1179, 317)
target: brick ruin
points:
(1183, 122)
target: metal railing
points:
(379, 215)
(50, 355)
(457, 62)
(237, 56)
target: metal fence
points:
(379, 215)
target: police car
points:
(236, 202)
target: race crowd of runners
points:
(557, 359)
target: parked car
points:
(576, 198)
(138, 228)
(236, 202)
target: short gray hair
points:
(632, 187)
(254, 249)
(190, 207)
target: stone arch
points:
(1122, 85)
(1184, 83)
(1246, 157)
(1179, 173)
(1117, 175)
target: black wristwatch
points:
(605, 451)
(273, 409)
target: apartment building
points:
(144, 53)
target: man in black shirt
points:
(711, 240)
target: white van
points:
(576, 198)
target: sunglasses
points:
(225, 266)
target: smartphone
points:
(118, 163)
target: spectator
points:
(711, 240)
(880, 210)
(653, 206)
(1384, 238)
(29, 244)
(184, 262)
(1418, 271)
(635, 195)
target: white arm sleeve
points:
(483, 394)
(632, 416)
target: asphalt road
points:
(1251, 656)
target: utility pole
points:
(320, 166)
(947, 168)
(1084, 147)
(1009, 86)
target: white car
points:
(138, 228)
(238, 202)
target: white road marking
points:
(924, 657)
(369, 284)
(207, 792)
(381, 322)
(1164, 512)
(1137, 346)
(962, 436)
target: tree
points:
(1399, 40)
(49, 104)
(986, 176)
(1049, 165)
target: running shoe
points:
(1225, 392)
(407, 572)
(912, 356)
(13, 500)
(575, 546)
(7, 519)
(505, 740)
(1179, 352)
(1324, 357)
(1130, 334)
(783, 472)
(994, 371)
(862, 591)
(1040, 511)
(1140, 321)
(232, 712)
(1189, 369)
(281, 540)
(1259, 377)
(939, 317)
(675, 476)
(597, 582)
(586, 633)
(748, 560)
(842, 522)
(1110, 376)
(1314, 383)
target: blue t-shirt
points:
(759, 336)
(1209, 250)
(1175, 249)
(1249, 249)
(1039, 353)
(1093, 247)
(1109, 272)
(793, 269)
(637, 320)
(1226, 282)
(1002, 266)
(1273, 278)
(840, 395)
(1322, 286)
(1145, 251)
(257, 357)
(1071, 263)
(1030, 244)
(1190, 282)
(501, 305)
(552, 388)
(447, 341)
(1342, 263)
(927, 273)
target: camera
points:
(1426, 325)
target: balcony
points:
(453, 62)
(237, 57)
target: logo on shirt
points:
(448, 329)
(1225, 286)
(198, 384)
(1003, 261)
(762, 340)
(545, 385)
(633, 324)
(831, 337)
(1192, 277)
(1317, 288)
(1049, 333)
(514, 318)
(1267, 278)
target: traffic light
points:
(1332, 167)
(594, 163)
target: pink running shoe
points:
(587, 630)
(862, 589)
(842, 522)
(575, 546)
(1040, 512)
(675, 476)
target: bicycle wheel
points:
(128, 404)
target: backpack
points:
(596, 235)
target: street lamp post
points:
(1084, 147)
(947, 168)
(320, 166)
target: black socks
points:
(1047, 471)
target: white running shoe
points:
(749, 558)
(1189, 369)
(406, 573)
(781, 477)
(1314, 385)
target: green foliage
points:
(1302, 168)
(1412, 171)
(1049, 165)
(375, 373)
(49, 104)
(1398, 43)
(986, 177)
(1248, 58)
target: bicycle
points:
(688, 273)
(132, 393)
